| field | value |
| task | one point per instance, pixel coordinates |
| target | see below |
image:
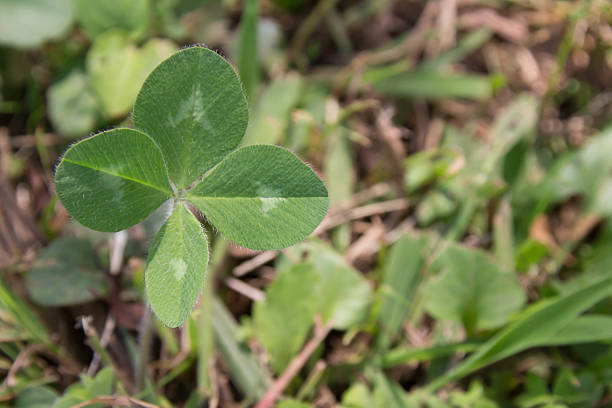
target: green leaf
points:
(36, 397)
(66, 274)
(193, 106)
(343, 294)
(117, 69)
(535, 326)
(29, 23)
(262, 197)
(588, 172)
(401, 278)
(529, 253)
(357, 396)
(73, 108)
(323, 285)
(472, 289)
(583, 389)
(284, 318)
(99, 386)
(516, 122)
(176, 267)
(97, 17)
(112, 180)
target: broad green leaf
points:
(101, 385)
(117, 69)
(193, 106)
(583, 389)
(73, 108)
(402, 275)
(435, 204)
(535, 326)
(262, 197)
(516, 122)
(66, 274)
(271, 114)
(587, 172)
(324, 285)
(36, 397)
(471, 289)
(343, 294)
(245, 370)
(357, 396)
(112, 180)
(283, 320)
(176, 267)
(28, 23)
(97, 17)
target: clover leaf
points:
(190, 115)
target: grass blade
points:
(247, 48)
(535, 327)
(246, 372)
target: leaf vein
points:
(123, 176)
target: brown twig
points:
(409, 46)
(245, 289)
(333, 220)
(254, 263)
(20, 361)
(294, 367)
(94, 342)
(107, 335)
(7, 200)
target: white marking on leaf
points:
(114, 184)
(270, 197)
(191, 108)
(270, 203)
(178, 267)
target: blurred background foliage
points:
(465, 260)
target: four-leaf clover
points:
(190, 116)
